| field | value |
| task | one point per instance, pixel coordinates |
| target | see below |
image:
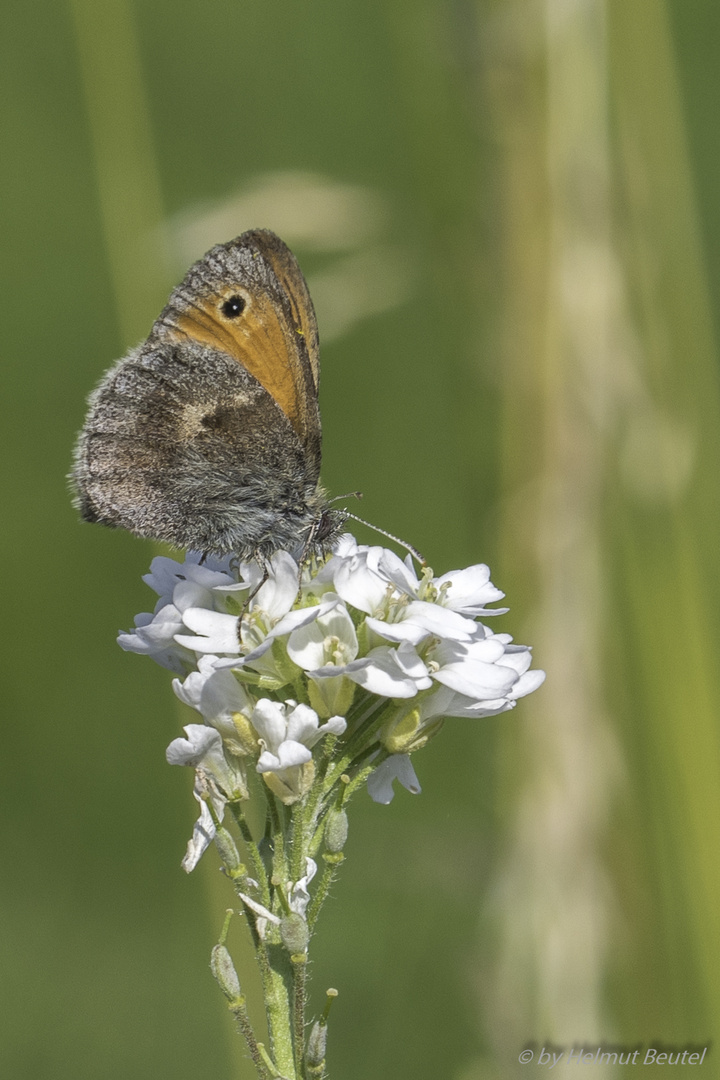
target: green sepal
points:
(300, 690)
(333, 859)
(316, 702)
(363, 637)
(246, 677)
(287, 669)
(270, 683)
(331, 695)
(406, 732)
(234, 606)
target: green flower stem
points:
(275, 833)
(361, 776)
(316, 791)
(360, 711)
(332, 862)
(278, 1010)
(274, 822)
(239, 1010)
(254, 856)
(292, 834)
(299, 964)
(276, 978)
(297, 842)
(357, 781)
(359, 743)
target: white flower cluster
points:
(275, 660)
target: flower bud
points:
(224, 971)
(406, 733)
(293, 785)
(294, 933)
(336, 830)
(331, 695)
(401, 732)
(246, 736)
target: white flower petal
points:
(398, 631)
(358, 582)
(400, 573)
(291, 753)
(201, 742)
(336, 725)
(202, 837)
(190, 691)
(297, 618)
(380, 673)
(269, 721)
(527, 683)
(470, 591)
(155, 636)
(221, 564)
(439, 621)
(203, 750)
(259, 909)
(518, 657)
(485, 649)
(190, 594)
(217, 632)
(298, 894)
(407, 659)
(447, 702)
(476, 679)
(222, 695)
(311, 646)
(278, 594)
(396, 767)
(302, 724)
(288, 755)
(163, 577)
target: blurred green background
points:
(508, 213)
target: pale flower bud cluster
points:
(360, 650)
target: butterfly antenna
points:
(350, 495)
(408, 547)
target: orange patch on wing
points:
(258, 340)
(288, 273)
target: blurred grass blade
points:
(124, 155)
(612, 443)
(669, 549)
(562, 307)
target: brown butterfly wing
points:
(208, 435)
(274, 336)
(289, 275)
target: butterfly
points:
(208, 435)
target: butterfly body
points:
(208, 435)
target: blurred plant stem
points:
(128, 180)
(561, 323)
(131, 206)
(667, 534)
(608, 356)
